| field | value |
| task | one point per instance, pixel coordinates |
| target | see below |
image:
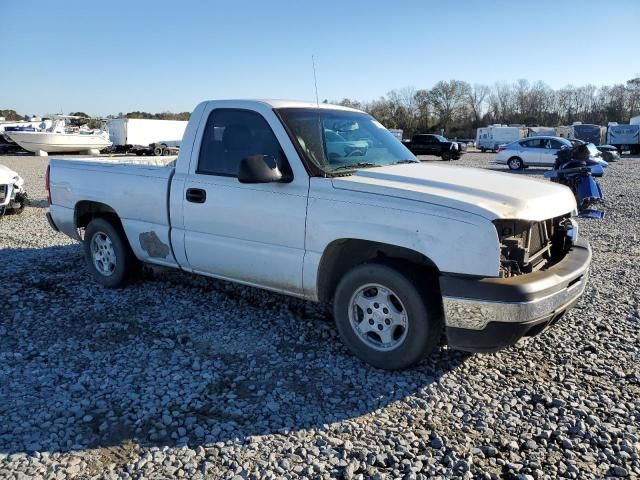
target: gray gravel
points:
(185, 376)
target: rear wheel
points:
(107, 253)
(386, 316)
(515, 163)
(158, 150)
(482, 149)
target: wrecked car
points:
(13, 196)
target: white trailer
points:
(142, 135)
(541, 131)
(396, 132)
(491, 137)
(625, 137)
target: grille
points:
(3, 192)
(525, 246)
(537, 238)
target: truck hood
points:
(486, 193)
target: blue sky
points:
(118, 56)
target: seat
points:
(236, 144)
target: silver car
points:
(531, 151)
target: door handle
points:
(196, 195)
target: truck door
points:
(432, 146)
(419, 147)
(252, 233)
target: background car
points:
(531, 152)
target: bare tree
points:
(476, 98)
(448, 100)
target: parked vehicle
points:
(404, 250)
(144, 136)
(531, 152)
(58, 138)
(624, 137)
(429, 144)
(490, 138)
(13, 196)
(586, 132)
(577, 167)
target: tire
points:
(515, 163)
(415, 315)
(106, 245)
(482, 149)
(446, 156)
(158, 150)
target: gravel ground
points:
(190, 377)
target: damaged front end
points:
(527, 247)
(13, 197)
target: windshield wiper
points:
(356, 165)
(405, 161)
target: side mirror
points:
(259, 169)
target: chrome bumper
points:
(490, 313)
(476, 314)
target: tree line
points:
(457, 108)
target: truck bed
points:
(136, 188)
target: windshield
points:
(441, 138)
(337, 141)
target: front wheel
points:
(384, 316)
(515, 163)
(446, 156)
(107, 253)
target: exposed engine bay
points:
(13, 196)
(526, 246)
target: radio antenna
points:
(315, 79)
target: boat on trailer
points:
(59, 138)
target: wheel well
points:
(342, 255)
(86, 211)
(514, 156)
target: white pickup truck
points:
(322, 202)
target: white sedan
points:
(531, 151)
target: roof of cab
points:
(293, 104)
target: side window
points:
(230, 135)
(556, 144)
(420, 140)
(533, 143)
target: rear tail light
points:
(47, 185)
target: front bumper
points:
(488, 314)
